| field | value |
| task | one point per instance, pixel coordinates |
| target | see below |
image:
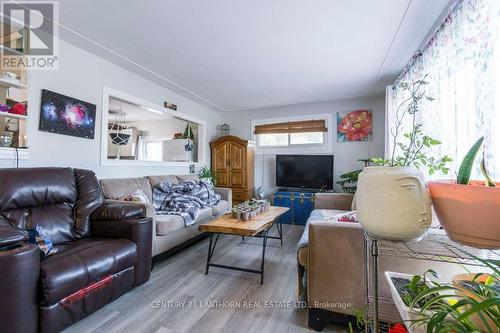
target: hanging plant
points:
(188, 132)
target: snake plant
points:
(467, 163)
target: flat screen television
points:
(304, 171)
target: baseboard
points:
(177, 248)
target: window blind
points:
(303, 126)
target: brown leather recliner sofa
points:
(104, 250)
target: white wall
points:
(82, 75)
(346, 154)
(164, 128)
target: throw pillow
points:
(187, 178)
(348, 217)
(136, 196)
(37, 236)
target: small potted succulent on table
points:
(249, 209)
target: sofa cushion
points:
(155, 180)
(166, 224)
(325, 214)
(204, 215)
(83, 262)
(136, 196)
(188, 177)
(115, 188)
(221, 208)
(316, 215)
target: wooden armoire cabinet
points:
(232, 160)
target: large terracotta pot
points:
(393, 203)
(470, 214)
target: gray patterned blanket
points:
(184, 199)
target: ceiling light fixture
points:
(154, 110)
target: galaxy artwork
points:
(65, 115)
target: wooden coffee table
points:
(257, 226)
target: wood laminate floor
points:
(179, 297)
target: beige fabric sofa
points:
(168, 230)
(331, 266)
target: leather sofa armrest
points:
(335, 201)
(225, 194)
(20, 266)
(138, 230)
(150, 212)
(148, 208)
(118, 211)
(10, 237)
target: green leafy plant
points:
(348, 181)
(473, 306)
(417, 285)
(362, 320)
(188, 132)
(465, 169)
(413, 147)
(207, 173)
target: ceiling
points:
(246, 54)
(133, 112)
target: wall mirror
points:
(136, 132)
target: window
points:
(272, 140)
(462, 62)
(292, 133)
(151, 149)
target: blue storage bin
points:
(301, 205)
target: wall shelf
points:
(12, 115)
(11, 83)
(8, 50)
(9, 153)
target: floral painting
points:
(354, 126)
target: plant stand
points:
(433, 247)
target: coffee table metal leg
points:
(279, 225)
(264, 243)
(211, 249)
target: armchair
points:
(103, 250)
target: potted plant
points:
(349, 180)
(392, 198)
(468, 210)
(405, 288)
(473, 302)
(208, 175)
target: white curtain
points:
(462, 62)
(389, 119)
